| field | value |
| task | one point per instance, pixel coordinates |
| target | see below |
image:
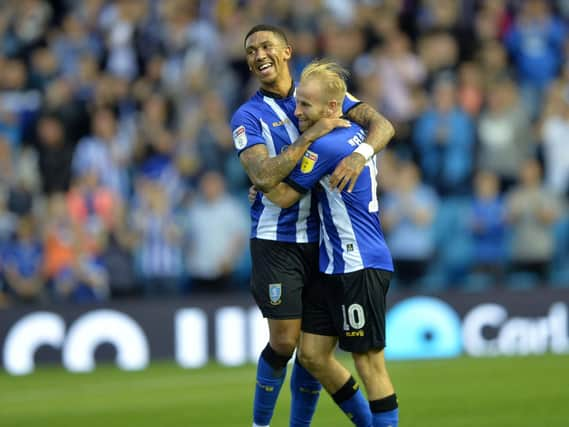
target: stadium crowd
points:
(118, 175)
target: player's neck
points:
(282, 88)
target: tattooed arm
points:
(379, 133)
(266, 172)
(283, 195)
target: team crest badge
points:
(275, 293)
(240, 137)
(308, 161)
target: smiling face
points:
(267, 58)
(311, 103)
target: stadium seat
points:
(242, 274)
(451, 215)
(559, 278)
(454, 246)
(435, 280)
(477, 282)
(561, 248)
(522, 280)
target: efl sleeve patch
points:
(308, 161)
(240, 137)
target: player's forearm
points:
(379, 129)
(283, 195)
(267, 172)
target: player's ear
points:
(287, 52)
(332, 107)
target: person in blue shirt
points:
(348, 305)
(284, 242)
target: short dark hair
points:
(265, 27)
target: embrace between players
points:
(315, 174)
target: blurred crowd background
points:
(118, 176)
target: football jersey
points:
(351, 236)
(269, 119)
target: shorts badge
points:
(275, 293)
(308, 161)
(240, 137)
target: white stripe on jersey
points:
(303, 212)
(341, 219)
(268, 221)
(289, 126)
(268, 139)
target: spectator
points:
(534, 42)
(22, 264)
(8, 220)
(84, 280)
(532, 211)
(44, 68)
(73, 43)
(408, 214)
(555, 139)
(400, 71)
(90, 204)
(217, 233)
(107, 151)
(60, 237)
(504, 133)
(117, 257)
(55, 153)
(470, 88)
(444, 140)
(493, 59)
(488, 226)
(159, 247)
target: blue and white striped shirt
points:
(267, 119)
(351, 235)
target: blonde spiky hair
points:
(331, 76)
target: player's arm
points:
(322, 159)
(266, 172)
(283, 195)
(379, 133)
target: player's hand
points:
(252, 195)
(323, 126)
(347, 172)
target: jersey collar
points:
(277, 96)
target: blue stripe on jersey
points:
(313, 223)
(287, 228)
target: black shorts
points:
(349, 306)
(281, 271)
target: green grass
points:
(501, 392)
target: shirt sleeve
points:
(317, 162)
(350, 101)
(246, 131)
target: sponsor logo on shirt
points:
(359, 333)
(280, 123)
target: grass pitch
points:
(465, 392)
